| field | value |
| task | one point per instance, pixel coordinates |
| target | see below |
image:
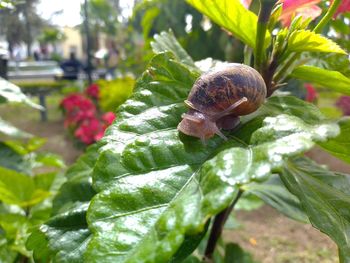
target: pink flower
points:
(343, 8)
(305, 8)
(311, 93)
(344, 104)
(108, 118)
(89, 130)
(246, 3)
(93, 91)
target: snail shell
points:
(218, 97)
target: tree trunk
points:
(29, 40)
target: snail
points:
(219, 97)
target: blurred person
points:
(4, 57)
(36, 55)
(17, 57)
(112, 60)
(71, 67)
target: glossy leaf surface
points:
(326, 78)
(11, 93)
(157, 186)
(11, 131)
(325, 197)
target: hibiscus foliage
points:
(148, 193)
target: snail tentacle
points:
(190, 105)
(218, 132)
(229, 109)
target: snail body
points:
(219, 97)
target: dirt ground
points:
(269, 236)
(273, 238)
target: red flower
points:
(81, 118)
(305, 8)
(343, 8)
(77, 108)
(108, 118)
(99, 136)
(311, 93)
(344, 104)
(93, 91)
(89, 130)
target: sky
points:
(70, 15)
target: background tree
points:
(197, 34)
(21, 24)
(103, 18)
(51, 35)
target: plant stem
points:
(217, 228)
(328, 16)
(263, 20)
(285, 67)
(247, 55)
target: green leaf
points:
(293, 106)
(16, 229)
(331, 79)
(38, 243)
(340, 145)
(275, 106)
(10, 159)
(192, 259)
(11, 131)
(214, 186)
(166, 41)
(78, 188)
(306, 40)
(158, 107)
(275, 194)
(45, 181)
(6, 253)
(50, 182)
(64, 237)
(147, 20)
(325, 203)
(19, 189)
(248, 202)
(49, 159)
(235, 254)
(11, 93)
(152, 203)
(12, 224)
(331, 61)
(233, 16)
(149, 175)
(24, 148)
